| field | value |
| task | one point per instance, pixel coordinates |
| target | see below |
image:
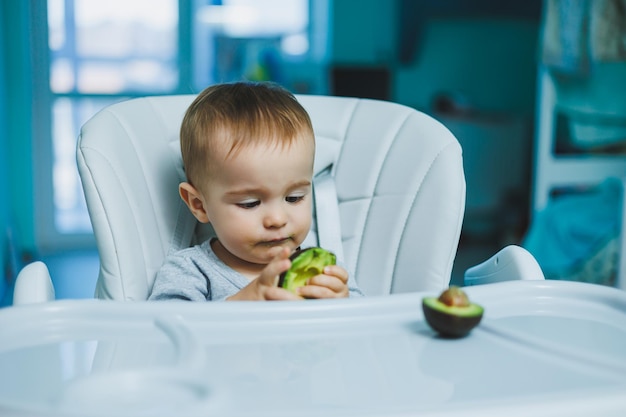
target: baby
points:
(248, 151)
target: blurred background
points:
(532, 90)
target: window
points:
(100, 52)
(113, 46)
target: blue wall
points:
(492, 63)
(16, 165)
(4, 171)
(483, 59)
(489, 59)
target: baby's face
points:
(261, 198)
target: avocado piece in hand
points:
(305, 264)
(452, 314)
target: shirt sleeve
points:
(354, 290)
(180, 278)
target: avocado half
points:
(305, 264)
(452, 314)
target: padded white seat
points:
(398, 174)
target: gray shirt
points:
(197, 274)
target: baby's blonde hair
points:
(238, 115)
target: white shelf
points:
(554, 171)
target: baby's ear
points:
(194, 200)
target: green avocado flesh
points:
(471, 310)
(451, 321)
(305, 264)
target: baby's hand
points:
(264, 287)
(333, 283)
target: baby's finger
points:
(316, 291)
(278, 265)
(333, 283)
(280, 294)
(337, 271)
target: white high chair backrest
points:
(398, 177)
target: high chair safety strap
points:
(327, 212)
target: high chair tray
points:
(543, 348)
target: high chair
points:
(390, 177)
(390, 180)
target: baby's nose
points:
(275, 218)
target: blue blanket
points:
(573, 227)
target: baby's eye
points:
(249, 204)
(294, 198)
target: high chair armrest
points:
(510, 263)
(33, 285)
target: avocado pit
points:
(452, 314)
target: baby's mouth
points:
(275, 242)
